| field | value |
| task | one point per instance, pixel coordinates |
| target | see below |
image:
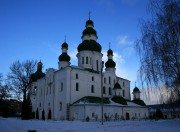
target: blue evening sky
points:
(35, 29)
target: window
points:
(76, 76)
(93, 114)
(92, 89)
(92, 78)
(77, 87)
(61, 87)
(49, 104)
(109, 80)
(86, 60)
(35, 89)
(60, 106)
(123, 84)
(104, 90)
(109, 91)
(82, 60)
(123, 93)
(97, 65)
(104, 80)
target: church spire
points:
(89, 15)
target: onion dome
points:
(89, 31)
(136, 90)
(90, 45)
(110, 64)
(89, 22)
(117, 86)
(110, 52)
(64, 57)
(38, 74)
(64, 45)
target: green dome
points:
(89, 31)
(89, 22)
(136, 89)
(139, 102)
(110, 52)
(117, 86)
(64, 57)
(89, 45)
(64, 45)
(119, 100)
(110, 64)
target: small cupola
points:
(117, 90)
(38, 74)
(110, 64)
(136, 93)
(64, 58)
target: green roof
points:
(117, 86)
(89, 45)
(110, 52)
(64, 57)
(92, 99)
(110, 64)
(139, 102)
(37, 75)
(119, 100)
(89, 22)
(89, 31)
(136, 89)
(64, 45)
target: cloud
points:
(128, 51)
(124, 40)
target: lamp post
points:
(102, 93)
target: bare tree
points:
(20, 73)
(159, 46)
(4, 89)
(19, 76)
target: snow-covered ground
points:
(18, 125)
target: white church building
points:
(74, 92)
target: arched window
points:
(104, 90)
(109, 80)
(92, 78)
(123, 93)
(61, 87)
(97, 65)
(86, 60)
(35, 89)
(60, 106)
(82, 60)
(123, 84)
(77, 86)
(109, 90)
(104, 80)
(76, 76)
(92, 88)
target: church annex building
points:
(74, 92)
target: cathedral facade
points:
(75, 92)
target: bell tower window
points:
(86, 60)
(82, 60)
(97, 65)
